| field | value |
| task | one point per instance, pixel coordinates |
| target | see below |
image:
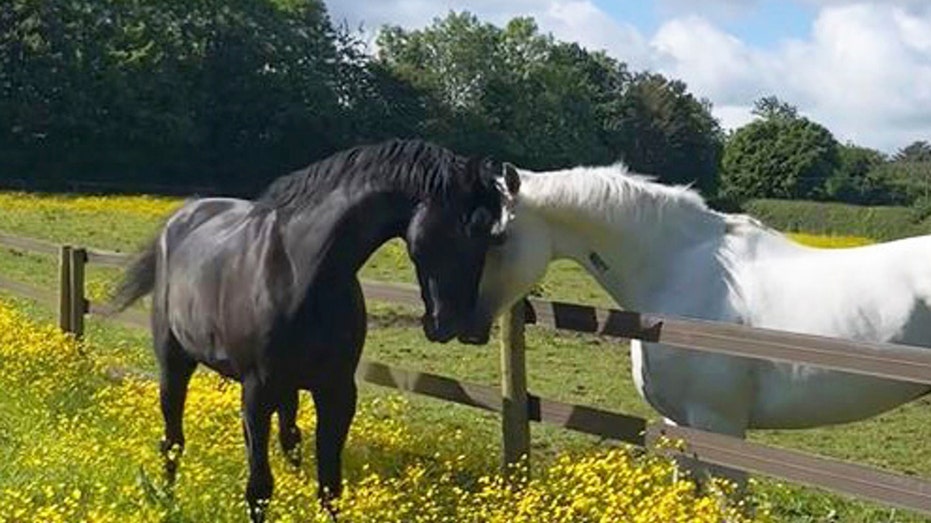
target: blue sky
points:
(764, 24)
(862, 68)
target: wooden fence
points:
(518, 407)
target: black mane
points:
(419, 168)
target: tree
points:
(231, 93)
(663, 130)
(546, 104)
(919, 151)
(860, 179)
(778, 158)
(770, 107)
(214, 92)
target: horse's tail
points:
(138, 280)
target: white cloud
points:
(713, 9)
(864, 70)
(571, 20)
(584, 22)
(713, 63)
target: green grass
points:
(881, 223)
(567, 367)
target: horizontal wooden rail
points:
(107, 258)
(28, 291)
(128, 317)
(885, 360)
(590, 420)
(29, 244)
(440, 387)
(96, 256)
(799, 467)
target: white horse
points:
(660, 249)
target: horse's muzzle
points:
(477, 330)
(436, 330)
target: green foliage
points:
(546, 104)
(919, 151)
(209, 92)
(881, 223)
(778, 158)
(663, 130)
(859, 178)
(511, 91)
(229, 94)
(908, 181)
(770, 107)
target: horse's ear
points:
(511, 178)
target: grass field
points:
(580, 369)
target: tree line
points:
(231, 93)
(784, 155)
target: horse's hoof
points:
(293, 456)
(331, 510)
(172, 457)
(291, 446)
(257, 511)
(171, 472)
(328, 502)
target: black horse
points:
(265, 291)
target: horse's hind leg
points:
(176, 369)
(258, 403)
(336, 406)
(288, 434)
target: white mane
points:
(618, 196)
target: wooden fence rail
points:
(518, 407)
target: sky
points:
(861, 68)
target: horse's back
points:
(868, 293)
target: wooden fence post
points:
(78, 302)
(64, 288)
(515, 420)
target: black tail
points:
(138, 280)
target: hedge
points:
(878, 223)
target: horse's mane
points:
(618, 196)
(614, 194)
(416, 167)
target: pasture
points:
(398, 446)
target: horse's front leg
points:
(336, 406)
(288, 434)
(258, 403)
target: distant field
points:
(829, 241)
(580, 369)
(827, 218)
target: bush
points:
(778, 158)
(878, 223)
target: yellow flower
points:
(86, 451)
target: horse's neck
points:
(335, 237)
(634, 260)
